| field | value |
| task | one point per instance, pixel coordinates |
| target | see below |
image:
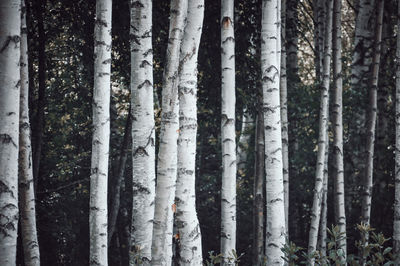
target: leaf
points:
(173, 208)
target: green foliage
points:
(232, 259)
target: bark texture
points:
(340, 213)
(371, 118)
(323, 130)
(143, 135)
(10, 30)
(396, 224)
(167, 155)
(101, 134)
(228, 136)
(187, 223)
(26, 190)
(270, 71)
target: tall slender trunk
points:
(187, 223)
(10, 30)
(143, 131)
(167, 155)
(26, 190)
(396, 223)
(324, 203)
(115, 194)
(371, 119)
(101, 134)
(228, 136)
(243, 143)
(340, 213)
(39, 121)
(270, 70)
(323, 130)
(284, 118)
(258, 199)
(319, 10)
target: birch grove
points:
(187, 223)
(25, 172)
(228, 136)
(143, 131)
(101, 134)
(167, 156)
(322, 137)
(10, 36)
(270, 71)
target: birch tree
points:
(10, 30)
(167, 156)
(340, 214)
(270, 71)
(243, 142)
(143, 143)
(190, 249)
(228, 190)
(258, 199)
(396, 223)
(26, 190)
(371, 118)
(323, 130)
(284, 117)
(101, 134)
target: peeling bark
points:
(167, 156)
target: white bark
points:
(26, 190)
(101, 134)
(284, 118)
(143, 143)
(340, 214)
(270, 71)
(167, 156)
(396, 223)
(371, 119)
(187, 224)
(323, 130)
(10, 28)
(228, 190)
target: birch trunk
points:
(101, 134)
(228, 191)
(340, 213)
(10, 30)
(371, 119)
(26, 190)
(324, 203)
(244, 139)
(187, 223)
(396, 224)
(143, 135)
(284, 118)
(323, 130)
(270, 70)
(167, 156)
(319, 12)
(258, 200)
